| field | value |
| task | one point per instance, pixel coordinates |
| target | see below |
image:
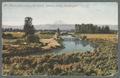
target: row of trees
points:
(12, 30)
(90, 28)
(79, 28)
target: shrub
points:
(32, 38)
(8, 36)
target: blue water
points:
(72, 44)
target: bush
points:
(8, 36)
(32, 38)
(84, 37)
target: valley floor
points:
(101, 62)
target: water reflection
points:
(83, 43)
(72, 44)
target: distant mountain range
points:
(55, 26)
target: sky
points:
(13, 13)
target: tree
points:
(30, 30)
(58, 31)
(28, 27)
(91, 28)
(107, 29)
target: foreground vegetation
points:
(101, 62)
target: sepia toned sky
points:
(13, 13)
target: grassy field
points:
(108, 37)
(15, 34)
(21, 34)
(101, 62)
(89, 36)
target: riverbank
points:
(100, 62)
(22, 49)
